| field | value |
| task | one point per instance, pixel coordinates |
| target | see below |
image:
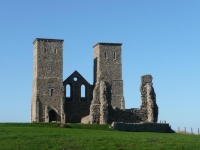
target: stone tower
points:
(48, 96)
(108, 69)
(108, 83)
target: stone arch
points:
(52, 115)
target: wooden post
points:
(185, 130)
(178, 130)
(198, 131)
(191, 131)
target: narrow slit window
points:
(51, 92)
(115, 55)
(83, 91)
(68, 90)
(106, 54)
(45, 50)
(55, 51)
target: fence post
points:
(198, 131)
(185, 130)
(191, 131)
(178, 130)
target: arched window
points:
(106, 54)
(68, 90)
(115, 55)
(83, 91)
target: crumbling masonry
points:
(103, 102)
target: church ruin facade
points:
(103, 101)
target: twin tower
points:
(58, 100)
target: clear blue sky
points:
(160, 38)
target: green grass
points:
(50, 136)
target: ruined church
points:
(58, 100)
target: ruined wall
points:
(94, 116)
(47, 82)
(148, 111)
(142, 127)
(77, 106)
(148, 98)
(102, 112)
(99, 106)
(104, 103)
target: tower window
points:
(115, 55)
(51, 92)
(55, 51)
(106, 54)
(45, 50)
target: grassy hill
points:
(50, 136)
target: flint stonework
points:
(142, 127)
(47, 97)
(55, 100)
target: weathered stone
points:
(148, 98)
(108, 68)
(148, 111)
(103, 101)
(47, 97)
(142, 127)
(77, 106)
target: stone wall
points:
(101, 110)
(77, 106)
(94, 116)
(148, 98)
(142, 127)
(104, 103)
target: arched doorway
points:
(52, 116)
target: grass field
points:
(50, 136)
